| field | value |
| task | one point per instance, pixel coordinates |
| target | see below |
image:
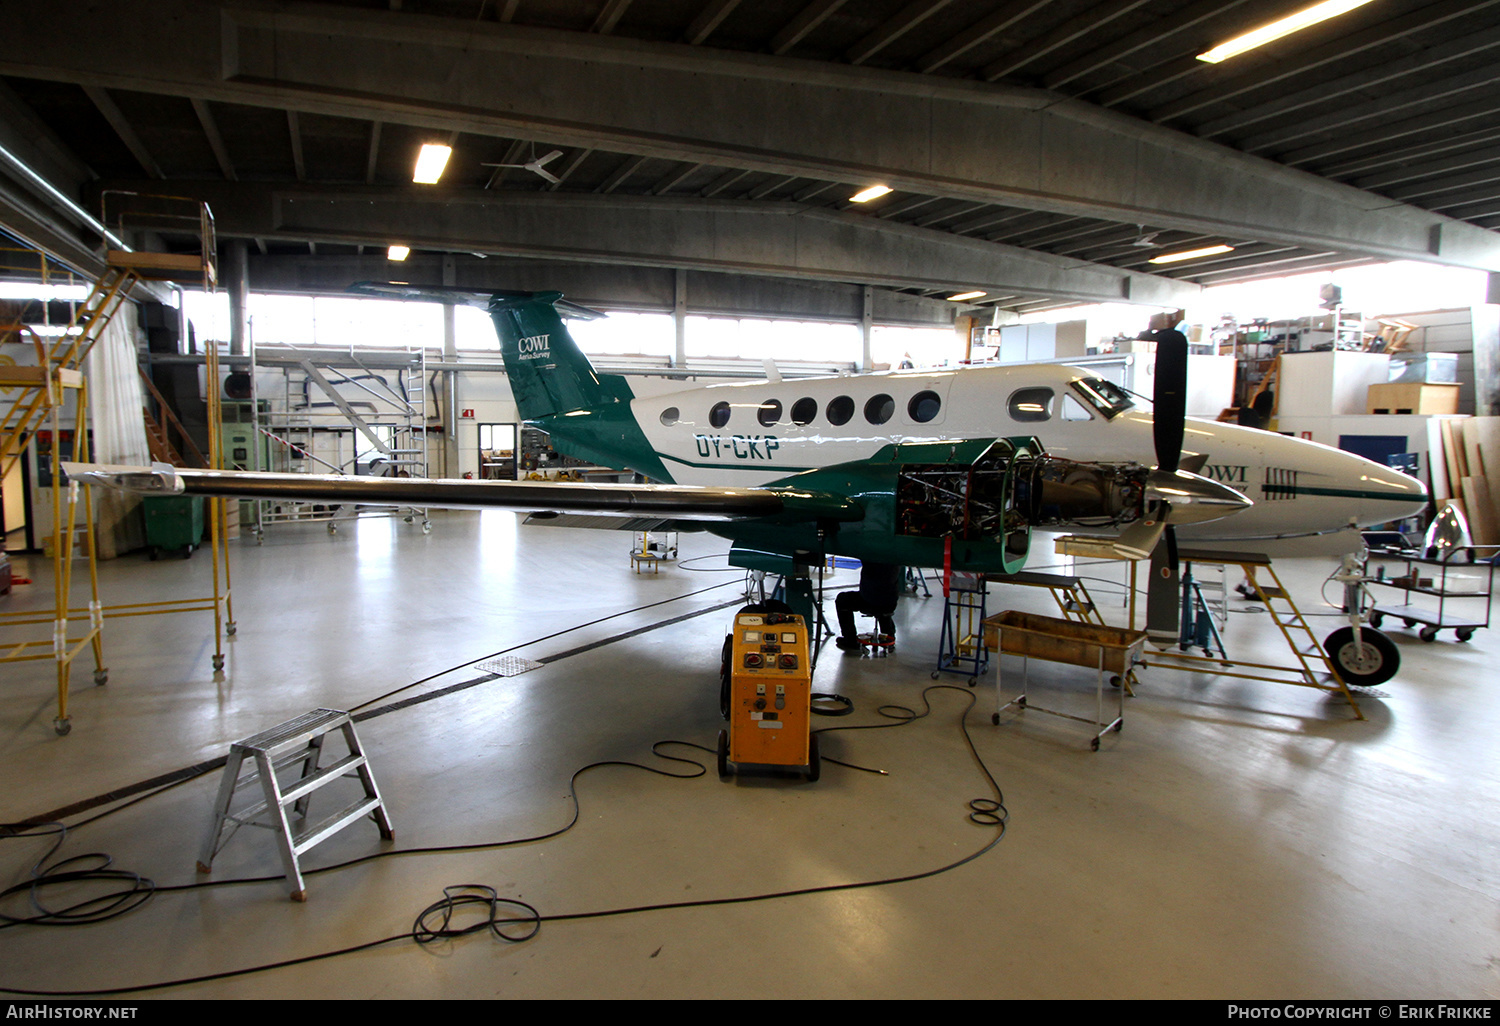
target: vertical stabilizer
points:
(587, 414)
(549, 374)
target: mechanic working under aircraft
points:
(879, 590)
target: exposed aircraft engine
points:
(1057, 491)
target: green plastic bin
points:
(173, 523)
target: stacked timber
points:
(1468, 473)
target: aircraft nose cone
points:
(1192, 499)
(1391, 495)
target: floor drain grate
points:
(509, 666)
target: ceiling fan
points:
(1144, 239)
(536, 164)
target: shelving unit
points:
(1480, 560)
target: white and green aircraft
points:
(947, 469)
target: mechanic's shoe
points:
(850, 646)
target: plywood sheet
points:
(1483, 523)
(1437, 462)
(1472, 456)
(1453, 453)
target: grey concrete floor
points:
(1236, 839)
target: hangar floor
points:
(1237, 839)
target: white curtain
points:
(116, 403)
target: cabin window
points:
(880, 409)
(1031, 404)
(804, 411)
(1072, 409)
(671, 415)
(769, 413)
(924, 406)
(840, 410)
(1105, 396)
(719, 415)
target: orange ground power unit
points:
(770, 695)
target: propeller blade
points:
(1140, 539)
(1169, 396)
(1164, 594)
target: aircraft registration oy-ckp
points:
(945, 469)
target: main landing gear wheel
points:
(1373, 660)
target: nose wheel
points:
(1373, 659)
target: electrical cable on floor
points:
(69, 873)
(537, 641)
(988, 812)
(164, 782)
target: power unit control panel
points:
(770, 690)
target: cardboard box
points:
(1413, 398)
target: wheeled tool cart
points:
(1462, 581)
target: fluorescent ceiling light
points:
(28, 290)
(966, 295)
(1191, 254)
(1284, 27)
(430, 163)
(398, 253)
(873, 192)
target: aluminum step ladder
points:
(297, 741)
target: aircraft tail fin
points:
(549, 374)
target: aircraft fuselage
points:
(757, 432)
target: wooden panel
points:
(20, 377)
(1413, 398)
(1482, 519)
(1453, 452)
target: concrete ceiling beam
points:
(759, 238)
(960, 139)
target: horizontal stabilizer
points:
(457, 295)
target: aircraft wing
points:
(681, 502)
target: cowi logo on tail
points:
(534, 347)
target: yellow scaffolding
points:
(32, 402)
(32, 397)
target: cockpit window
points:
(1031, 404)
(1105, 396)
